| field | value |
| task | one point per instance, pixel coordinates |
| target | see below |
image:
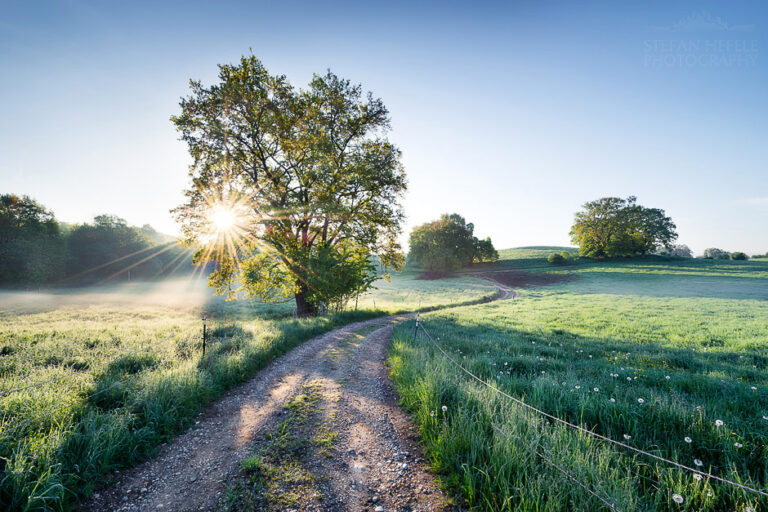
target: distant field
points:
(406, 293)
(126, 371)
(687, 338)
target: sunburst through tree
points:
(293, 191)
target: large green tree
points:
(31, 245)
(307, 178)
(614, 227)
(448, 243)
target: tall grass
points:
(662, 364)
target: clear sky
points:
(512, 114)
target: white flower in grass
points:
(749, 509)
(697, 477)
(613, 400)
(677, 498)
(578, 387)
(765, 418)
(709, 494)
(629, 379)
(688, 440)
(627, 437)
(543, 372)
(445, 408)
(718, 423)
(432, 413)
(640, 401)
(738, 445)
(667, 377)
(698, 462)
(596, 390)
(754, 388)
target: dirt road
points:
(319, 429)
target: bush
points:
(556, 258)
(566, 255)
(714, 253)
(678, 251)
(738, 256)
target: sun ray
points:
(143, 260)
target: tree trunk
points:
(304, 308)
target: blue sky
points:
(512, 114)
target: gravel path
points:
(375, 463)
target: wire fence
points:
(420, 326)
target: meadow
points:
(666, 356)
(92, 380)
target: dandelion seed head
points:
(709, 494)
(597, 389)
(640, 401)
(677, 498)
(754, 388)
(765, 418)
(697, 477)
(627, 437)
(738, 445)
(688, 440)
(667, 377)
(613, 400)
(698, 462)
(718, 423)
(445, 408)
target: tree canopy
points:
(36, 250)
(31, 245)
(615, 227)
(308, 177)
(448, 243)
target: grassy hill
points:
(653, 353)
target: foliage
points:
(677, 251)
(34, 249)
(556, 258)
(688, 334)
(714, 253)
(31, 243)
(738, 256)
(484, 251)
(448, 244)
(615, 227)
(306, 170)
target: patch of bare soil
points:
(518, 279)
(319, 429)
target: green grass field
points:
(127, 371)
(649, 352)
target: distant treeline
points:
(36, 249)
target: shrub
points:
(678, 251)
(714, 253)
(556, 258)
(738, 256)
(566, 255)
